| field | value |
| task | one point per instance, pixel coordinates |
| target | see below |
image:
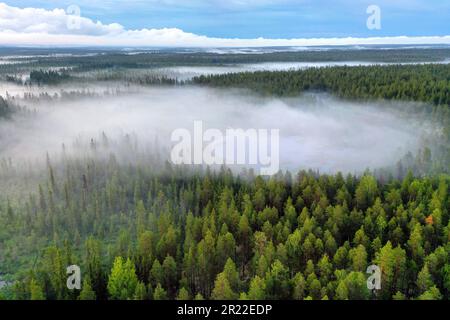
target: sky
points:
(222, 23)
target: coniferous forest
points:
(142, 228)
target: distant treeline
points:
(158, 59)
(426, 83)
(83, 61)
(48, 76)
(129, 77)
(40, 77)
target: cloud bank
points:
(40, 27)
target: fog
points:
(18, 91)
(316, 131)
(188, 72)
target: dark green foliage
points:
(176, 247)
(41, 77)
(426, 83)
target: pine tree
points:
(299, 287)
(257, 289)
(86, 292)
(156, 273)
(432, 294)
(424, 280)
(183, 295)
(222, 289)
(140, 292)
(159, 293)
(231, 274)
(36, 292)
(122, 280)
(170, 276)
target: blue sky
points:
(266, 18)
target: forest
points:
(139, 234)
(145, 229)
(423, 83)
(84, 60)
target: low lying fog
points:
(316, 131)
(187, 73)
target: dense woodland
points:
(148, 230)
(426, 83)
(138, 234)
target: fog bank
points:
(316, 131)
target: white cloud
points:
(57, 21)
(40, 27)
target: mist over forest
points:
(317, 131)
(86, 176)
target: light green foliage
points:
(123, 280)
